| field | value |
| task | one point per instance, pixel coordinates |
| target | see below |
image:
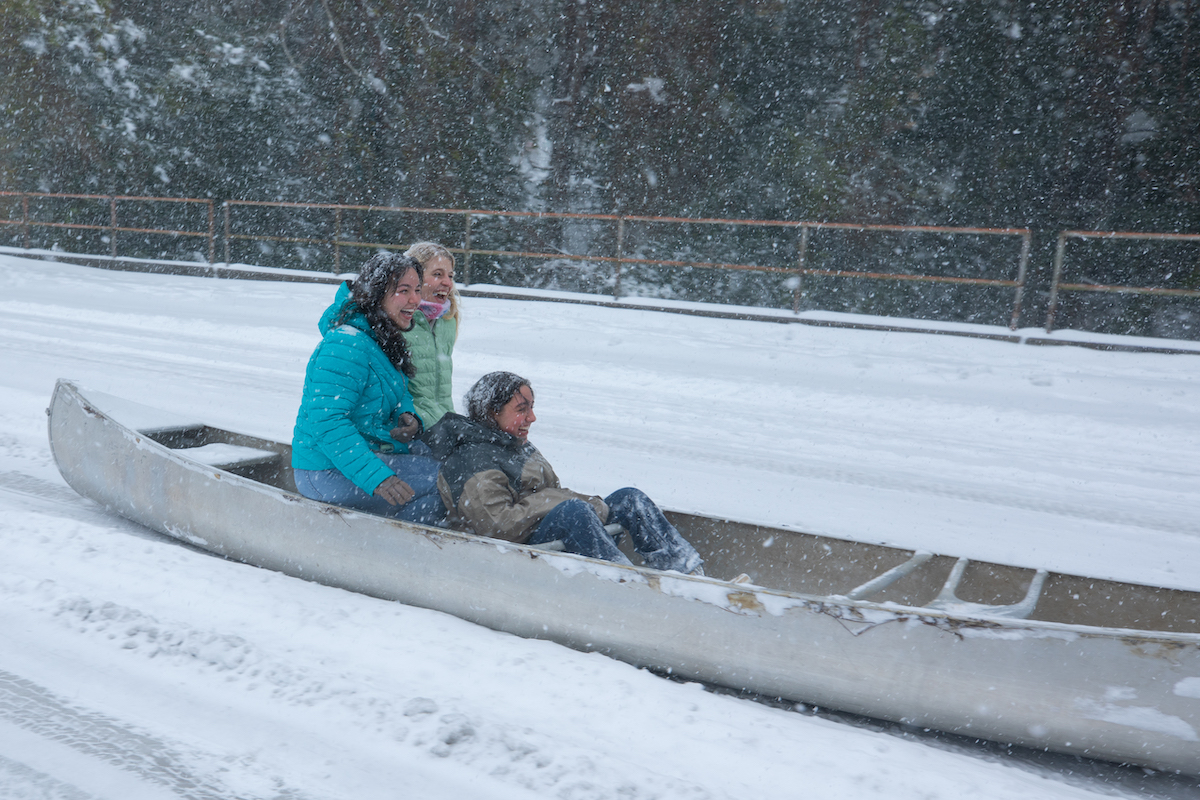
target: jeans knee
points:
(575, 507)
(629, 495)
(304, 484)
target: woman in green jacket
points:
(433, 333)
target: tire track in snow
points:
(21, 782)
(50, 499)
(37, 710)
(29, 486)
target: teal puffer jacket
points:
(431, 346)
(352, 399)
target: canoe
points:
(1041, 659)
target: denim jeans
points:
(331, 486)
(575, 523)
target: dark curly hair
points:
(376, 280)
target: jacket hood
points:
(455, 431)
(342, 299)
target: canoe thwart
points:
(947, 600)
(615, 530)
(878, 584)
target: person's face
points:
(400, 303)
(517, 414)
(439, 279)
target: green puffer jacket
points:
(352, 399)
(431, 346)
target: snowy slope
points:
(134, 667)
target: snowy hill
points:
(134, 667)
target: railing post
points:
(337, 238)
(1019, 296)
(620, 255)
(225, 205)
(1058, 264)
(25, 220)
(112, 231)
(796, 290)
(212, 235)
(467, 248)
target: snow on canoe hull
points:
(1026, 661)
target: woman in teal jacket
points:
(434, 332)
(356, 417)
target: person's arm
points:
(545, 474)
(394, 491)
(490, 508)
(333, 389)
(408, 427)
(408, 405)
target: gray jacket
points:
(493, 483)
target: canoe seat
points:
(228, 457)
(947, 600)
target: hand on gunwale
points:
(394, 491)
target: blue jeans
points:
(331, 486)
(575, 523)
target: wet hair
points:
(425, 252)
(491, 393)
(376, 280)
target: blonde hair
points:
(424, 252)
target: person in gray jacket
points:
(495, 483)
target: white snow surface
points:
(132, 666)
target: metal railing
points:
(1057, 285)
(26, 222)
(802, 264)
(619, 260)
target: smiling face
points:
(517, 414)
(402, 300)
(439, 280)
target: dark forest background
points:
(1047, 115)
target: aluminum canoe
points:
(1045, 660)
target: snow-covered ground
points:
(134, 667)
